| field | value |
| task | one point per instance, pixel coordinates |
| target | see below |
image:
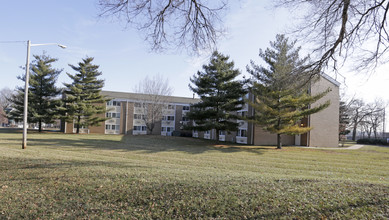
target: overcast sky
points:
(125, 58)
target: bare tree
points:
(188, 23)
(5, 99)
(366, 127)
(343, 28)
(374, 120)
(155, 93)
(358, 114)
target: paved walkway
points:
(354, 147)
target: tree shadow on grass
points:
(145, 144)
(44, 166)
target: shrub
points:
(182, 133)
(372, 141)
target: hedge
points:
(372, 141)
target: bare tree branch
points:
(189, 24)
(343, 29)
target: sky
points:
(125, 58)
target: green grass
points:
(144, 177)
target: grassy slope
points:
(107, 176)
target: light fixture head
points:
(61, 46)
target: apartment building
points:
(125, 114)
(126, 111)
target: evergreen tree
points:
(17, 105)
(344, 120)
(43, 101)
(281, 90)
(221, 96)
(83, 99)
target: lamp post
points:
(24, 143)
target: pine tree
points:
(83, 99)
(281, 91)
(43, 100)
(344, 120)
(220, 93)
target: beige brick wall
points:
(101, 128)
(130, 118)
(262, 137)
(69, 128)
(325, 123)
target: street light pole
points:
(25, 112)
(24, 143)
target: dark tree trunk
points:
(279, 142)
(40, 125)
(78, 125)
(354, 132)
(217, 135)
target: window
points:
(137, 128)
(242, 133)
(170, 107)
(167, 129)
(112, 114)
(222, 132)
(113, 103)
(167, 118)
(112, 127)
(139, 116)
(185, 118)
(140, 128)
(137, 105)
(185, 108)
(207, 132)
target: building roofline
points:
(140, 96)
(330, 79)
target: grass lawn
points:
(145, 177)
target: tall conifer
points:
(43, 100)
(281, 90)
(221, 96)
(83, 99)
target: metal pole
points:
(24, 143)
(383, 126)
